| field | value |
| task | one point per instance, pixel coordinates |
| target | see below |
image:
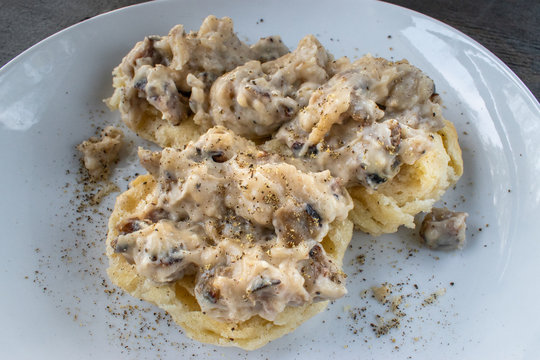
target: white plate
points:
(50, 100)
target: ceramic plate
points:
(58, 303)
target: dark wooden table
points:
(509, 28)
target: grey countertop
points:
(510, 29)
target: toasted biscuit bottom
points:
(178, 300)
(415, 189)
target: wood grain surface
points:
(509, 28)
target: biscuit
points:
(161, 86)
(178, 298)
(413, 190)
